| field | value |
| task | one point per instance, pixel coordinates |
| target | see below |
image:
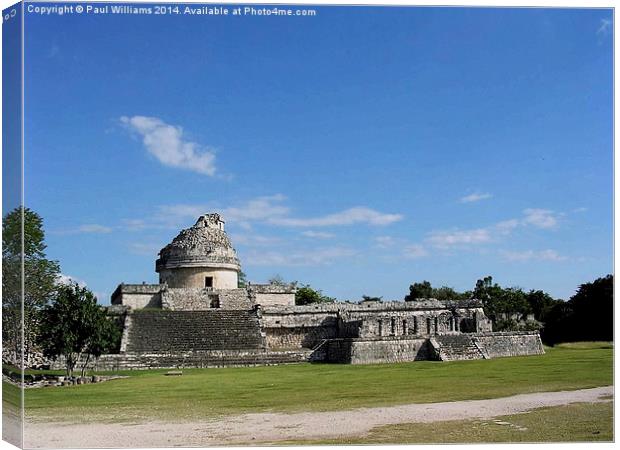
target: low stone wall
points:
(373, 351)
(191, 360)
(516, 343)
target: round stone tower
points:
(200, 257)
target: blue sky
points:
(358, 150)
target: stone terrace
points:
(194, 331)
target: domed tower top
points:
(200, 257)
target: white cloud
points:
(68, 279)
(134, 224)
(415, 251)
(385, 241)
(254, 240)
(349, 216)
(580, 210)
(475, 197)
(271, 210)
(317, 234)
(315, 257)
(167, 143)
(258, 209)
(89, 228)
(444, 239)
(531, 255)
(93, 228)
(604, 28)
(506, 226)
(540, 218)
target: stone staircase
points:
(456, 347)
(183, 332)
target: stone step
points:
(457, 347)
(193, 331)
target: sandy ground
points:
(272, 427)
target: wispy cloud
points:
(89, 228)
(317, 234)
(313, 257)
(169, 146)
(94, 228)
(53, 51)
(604, 27)
(271, 210)
(475, 197)
(133, 224)
(254, 240)
(445, 239)
(540, 218)
(349, 216)
(385, 241)
(414, 251)
(532, 255)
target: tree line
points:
(586, 316)
(58, 319)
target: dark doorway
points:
(208, 282)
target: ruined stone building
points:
(198, 316)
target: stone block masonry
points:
(516, 343)
(374, 351)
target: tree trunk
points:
(85, 364)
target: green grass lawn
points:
(204, 393)
(581, 422)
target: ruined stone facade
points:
(198, 316)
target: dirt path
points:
(270, 427)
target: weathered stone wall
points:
(298, 337)
(299, 326)
(515, 343)
(138, 296)
(194, 277)
(374, 351)
(277, 299)
(194, 299)
(273, 294)
(306, 326)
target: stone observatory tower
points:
(200, 257)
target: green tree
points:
(75, 326)
(593, 306)
(501, 305)
(419, 291)
(448, 293)
(39, 278)
(540, 303)
(306, 295)
(242, 280)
